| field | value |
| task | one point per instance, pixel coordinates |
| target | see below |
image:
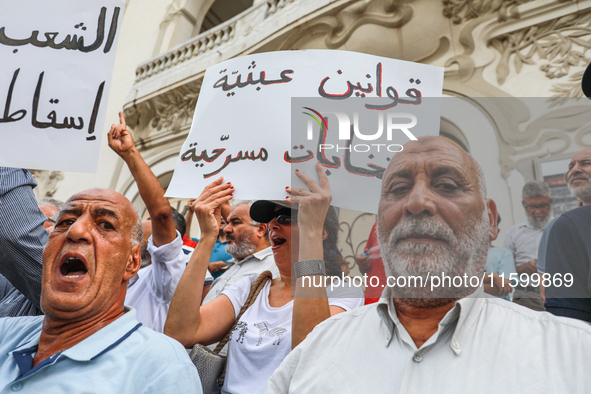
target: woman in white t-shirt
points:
(303, 228)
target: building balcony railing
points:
(232, 38)
(210, 39)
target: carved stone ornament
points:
(460, 10)
(556, 45)
(47, 183)
(164, 115)
(339, 27)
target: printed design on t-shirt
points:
(242, 328)
(265, 332)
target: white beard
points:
(540, 224)
(458, 254)
(241, 250)
(582, 192)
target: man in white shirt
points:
(249, 247)
(523, 240)
(151, 292)
(434, 221)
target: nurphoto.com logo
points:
(392, 123)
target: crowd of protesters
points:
(94, 299)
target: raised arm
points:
(121, 141)
(189, 217)
(22, 236)
(310, 305)
(188, 322)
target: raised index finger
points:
(324, 184)
(122, 119)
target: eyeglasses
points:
(541, 207)
(286, 216)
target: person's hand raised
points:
(207, 207)
(314, 201)
(120, 139)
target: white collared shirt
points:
(252, 265)
(152, 292)
(483, 345)
(523, 241)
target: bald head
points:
(127, 208)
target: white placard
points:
(57, 59)
(247, 129)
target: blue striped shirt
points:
(22, 238)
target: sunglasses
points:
(286, 216)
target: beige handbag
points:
(210, 365)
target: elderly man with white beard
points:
(523, 240)
(433, 220)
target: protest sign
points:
(57, 60)
(248, 129)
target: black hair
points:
(179, 222)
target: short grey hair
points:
(481, 179)
(249, 203)
(535, 189)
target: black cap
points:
(262, 211)
(586, 82)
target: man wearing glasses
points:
(523, 240)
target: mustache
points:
(580, 174)
(422, 226)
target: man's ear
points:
(493, 215)
(324, 234)
(134, 263)
(262, 230)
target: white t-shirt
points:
(262, 338)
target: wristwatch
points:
(309, 267)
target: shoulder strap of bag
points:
(255, 289)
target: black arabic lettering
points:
(287, 157)
(336, 162)
(263, 155)
(52, 115)
(223, 81)
(350, 89)
(413, 94)
(372, 171)
(69, 42)
(95, 109)
(112, 30)
(12, 117)
(191, 154)
(379, 79)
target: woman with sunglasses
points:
(303, 233)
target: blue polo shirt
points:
(122, 357)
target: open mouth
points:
(278, 241)
(73, 268)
